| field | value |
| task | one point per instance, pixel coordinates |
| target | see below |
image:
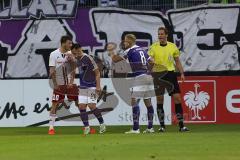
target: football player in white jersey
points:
(62, 79)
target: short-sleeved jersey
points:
(87, 66)
(163, 56)
(60, 62)
(138, 59)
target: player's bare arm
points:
(73, 66)
(151, 63)
(52, 72)
(117, 58)
(98, 86)
(179, 67)
(111, 49)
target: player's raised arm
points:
(117, 58)
(111, 48)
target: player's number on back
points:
(143, 59)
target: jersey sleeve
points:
(52, 61)
(176, 52)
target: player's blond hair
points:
(131, 37)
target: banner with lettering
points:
(207, 35)
(27, 103)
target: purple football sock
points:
(136, 114)
(150, 113)
(98, 115)
(84, 117)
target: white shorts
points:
(143, 87)
(87, 95)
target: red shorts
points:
(70, 92)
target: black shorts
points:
(165, 80)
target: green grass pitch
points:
(202, 143)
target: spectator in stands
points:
(108, 3)
(224, 1)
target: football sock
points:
(84, 117)
(98, 115)
(52, 121)
(136, 114)
(150, 114)
(179, 114)
(161, 114)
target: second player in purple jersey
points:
(89, 76)
(87, 66)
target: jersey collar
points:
(134, 46)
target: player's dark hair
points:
(65, 38)
(76, 46)
(164, 29)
